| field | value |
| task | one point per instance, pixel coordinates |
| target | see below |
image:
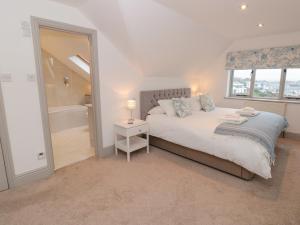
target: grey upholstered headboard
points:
(148, 99)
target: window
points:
(267, 83)
(81, 63)
(280, 84)
(241, 80)
(292, 83)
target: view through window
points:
(241, 82)
(267, 83)
(292, 83)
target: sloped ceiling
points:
(175, 37)
(62, 45)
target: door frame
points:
(5, 144)
(36, 24)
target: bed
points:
(193, 137)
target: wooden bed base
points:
(203, 158)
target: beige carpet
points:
(158, 189)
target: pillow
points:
(167, 106)
(207, 103)
(181, 108)
(193, 103)
(156, 110)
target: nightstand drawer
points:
(137, 130)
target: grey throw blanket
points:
(263, 128)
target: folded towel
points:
(248, 114)
(247, 111)
(233, 119)
(237, 122)
(233, 116)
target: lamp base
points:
(130, 121)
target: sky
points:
(270, 74)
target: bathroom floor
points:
(71, 146)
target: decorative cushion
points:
(182, 109)
(156, 110)
(193, 103)
(207, 103)
(167, 106)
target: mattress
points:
(197, 132)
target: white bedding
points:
(197, 132)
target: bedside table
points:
(131, 141)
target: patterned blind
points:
(280, 57)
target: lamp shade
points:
(131, 104)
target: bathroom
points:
(66, 73)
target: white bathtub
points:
(66, 117)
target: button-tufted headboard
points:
(148, 99)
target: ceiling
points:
(175, 37)
(225, 17)
(62, 45)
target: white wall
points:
(117, 78)
(214, 80)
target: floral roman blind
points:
(280, 57)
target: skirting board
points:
(43, 173)
(107, 151)
(32, 176)
(293, 136)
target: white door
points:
(3, 178)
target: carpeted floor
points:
(157, 189)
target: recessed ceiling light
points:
(244, 7)
(260, 25)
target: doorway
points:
(66, 70)
(68, 80)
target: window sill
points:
(264, 100)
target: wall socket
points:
(41, 155)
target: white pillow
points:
(156, 110)
(193, 103)
(167, 106)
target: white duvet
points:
(197, 132)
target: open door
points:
(3, 178)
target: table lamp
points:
(131, 105)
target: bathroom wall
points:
(57, 93)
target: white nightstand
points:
(131, 141)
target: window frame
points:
(281, 96)
(285, 97)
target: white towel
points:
(234, 119)
(247, 111)
(248, 114)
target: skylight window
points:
(81, 63)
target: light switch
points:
(26, 29)
(5, 77)
(31, 77)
